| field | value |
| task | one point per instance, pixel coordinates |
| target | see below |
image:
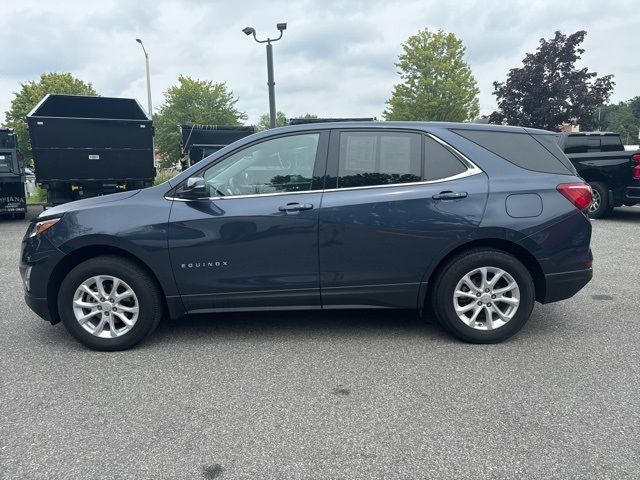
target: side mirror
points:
(195, 188)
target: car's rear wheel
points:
(599, 207)
(483, 296)
(109, 303)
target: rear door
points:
(394, 200)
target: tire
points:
(600, 207)
(448, 280)
(142, 310)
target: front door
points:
(254, 241)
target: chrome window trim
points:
(252, 195)
(468, 173)
(472, 169)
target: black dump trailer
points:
(305, 121)
(89, 146)
(200, 141)
(13, 201)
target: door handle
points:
(295, 207)
(449, 195)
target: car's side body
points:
(347, 247)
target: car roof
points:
(589, 134)
(407, 125)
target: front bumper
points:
(37, 266)
(560, 286)
(40, 307)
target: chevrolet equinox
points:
(471, 223)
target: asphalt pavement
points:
(332, 395)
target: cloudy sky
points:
(336, 58)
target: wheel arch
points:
(76, 257)
(519, 252)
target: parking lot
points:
(337, 395)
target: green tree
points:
(281, 120)
(622, 118)
(548, 90)
(437, 84)
(634, 105)
(192, 101)
(31, 93)
(263, 123)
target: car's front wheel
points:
(109, 303)
(483, 296)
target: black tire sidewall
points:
(458, 267)
(146, 291)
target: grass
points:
(39, 196)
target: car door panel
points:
(376, 242)
(245, 251)
(233, 252)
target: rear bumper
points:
(560, 286)
(632, 195)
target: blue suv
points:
(471, 223)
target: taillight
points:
(577, 193)
(635, 158)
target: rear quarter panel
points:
(559, 237)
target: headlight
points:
(43, 226)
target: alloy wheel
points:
(595, 201)
(105, 306)
(486, 298)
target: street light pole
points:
(272, 86)
(146, 59)
(270, 79)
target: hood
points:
(87, 203)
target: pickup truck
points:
(612, 172)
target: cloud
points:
(335, 59)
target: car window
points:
(521, 149)
(7, 140)
(283, 164)
(612, 143)
(378, 158)
(550, 142)
(575, 145)
(440, 162)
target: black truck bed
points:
(77, 138)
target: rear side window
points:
(580, 144)
(440, 162)
(521, 149)
(611, 143)
(550, 142)
(378, 158)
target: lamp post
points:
(270, 81)
(146, 59)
